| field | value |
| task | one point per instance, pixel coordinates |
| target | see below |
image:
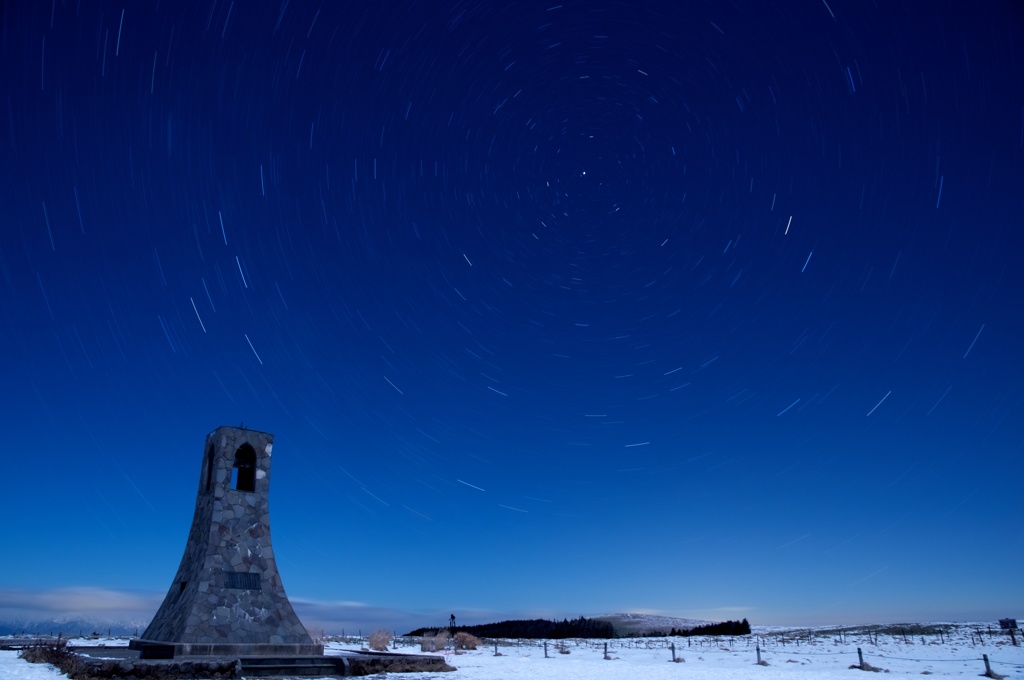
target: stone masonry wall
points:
(214, 597)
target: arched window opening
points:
(243, 472)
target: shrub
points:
(380, 639)
(434, 642)
(56, 652)
(464, 640)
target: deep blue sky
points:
(711, 309)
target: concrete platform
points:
(122, 661)
(178, 649)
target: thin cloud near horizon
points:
(333, 617)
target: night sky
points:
(703, 308)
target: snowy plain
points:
(790, 654)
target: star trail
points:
(700, 308)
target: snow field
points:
(13, 668)
(790, 655)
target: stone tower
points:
(227, 597)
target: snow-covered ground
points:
(13, 668)
(790, 655)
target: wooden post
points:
(860, 657)
(758, 655)
(673, 651)
(988, 669)
(606, 657)
(545, 649)
(1013, 637)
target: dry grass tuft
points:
(464, 640)
(436, 642)
(379, 640)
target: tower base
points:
(224, 649)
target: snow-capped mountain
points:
(638, 624)
(71, 627)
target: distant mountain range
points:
(627, 625)
(72, 627)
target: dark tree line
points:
(543, 629)
(534, 629)
(723, 628)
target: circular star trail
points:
(645, 286)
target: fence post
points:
(758, 648)
(545, 649)
(673, 651)
(860, 657)
(988, 669)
